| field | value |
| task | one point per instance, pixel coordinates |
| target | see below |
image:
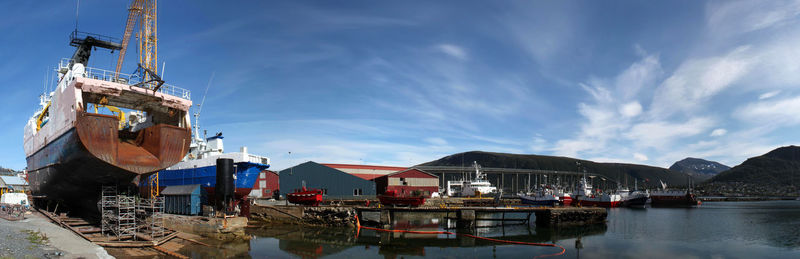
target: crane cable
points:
(563, 250)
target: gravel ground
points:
(37, 237)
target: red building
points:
(268, 183)
(407, 182)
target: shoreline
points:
(744, 198)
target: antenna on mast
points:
(200, 107)
(77, 8)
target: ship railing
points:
(123, 78)
(257, 159)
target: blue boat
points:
(200, 167)
(540, 201)
(541, 197)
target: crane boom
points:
(133, 13)
(143, 12)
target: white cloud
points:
(640, 156)
(539, 144)
(436, 141)
(772, 112)
(604, 118)
(718, 132)
(768, 95)
(453, 51)
(697, 80)
(639, 75)
(631, 109)
(662, 134)
(735, 17)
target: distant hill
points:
(776, 173)
(610, 170)
(700, 169)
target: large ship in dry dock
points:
(73, 149)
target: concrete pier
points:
(570, 216)
(465, 219)
(466, 216)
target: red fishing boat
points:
(392, 198)
(311, 197)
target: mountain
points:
(776, 173)
(700, 169)
(610, 170)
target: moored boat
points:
(636, 198)
(586, 197)
(393, 198)
(673, 198)
(305, 196)
(542, 200)
(564, 198)
(471, 187)
(199, 167)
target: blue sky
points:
(406, 82)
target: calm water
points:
(766, 229)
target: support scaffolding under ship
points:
(73, 149)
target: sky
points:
(405, 82)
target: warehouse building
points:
(408, 182)
(335, 184)
(266, 185)
(12, 184)
(366, 172)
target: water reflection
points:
(314, 242)
(714, 230)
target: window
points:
(262, 184)
(357, 192)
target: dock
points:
(466, 216)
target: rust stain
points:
(153, 149)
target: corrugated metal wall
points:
(339, 185)
(414, 181)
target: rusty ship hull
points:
(73, 149)
(72, 169)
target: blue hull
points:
(246, 176)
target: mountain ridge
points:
(699, 168)
(775, 173)
(649, 175)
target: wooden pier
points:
(466, 216)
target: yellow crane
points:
(143, 12)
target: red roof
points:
(367, 176)
(412, 173)
(373, 167)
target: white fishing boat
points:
(471, 187)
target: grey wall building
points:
(335, 184)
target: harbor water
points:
(761, 229)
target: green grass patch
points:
(36, 237)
